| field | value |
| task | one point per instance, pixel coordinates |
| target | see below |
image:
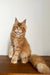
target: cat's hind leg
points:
(24, 56)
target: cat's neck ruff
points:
(18, 35)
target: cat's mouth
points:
(18, 32)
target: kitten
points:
(20, 49)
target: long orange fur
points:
(20, 49)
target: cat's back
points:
(26, 44)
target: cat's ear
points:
(16, 21)
(24, 22)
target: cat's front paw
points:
(13, 61)
(10, 56)
(11, 52)
(24, 60)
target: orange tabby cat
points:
(20, 49)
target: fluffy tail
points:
(39, 64)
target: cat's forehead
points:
(19, 24)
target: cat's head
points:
(19, 28)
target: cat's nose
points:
(18, 28)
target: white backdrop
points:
(37, 13)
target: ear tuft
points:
(16, 21)
(24, 22)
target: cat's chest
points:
(15, 42)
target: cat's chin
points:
(17, 35)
